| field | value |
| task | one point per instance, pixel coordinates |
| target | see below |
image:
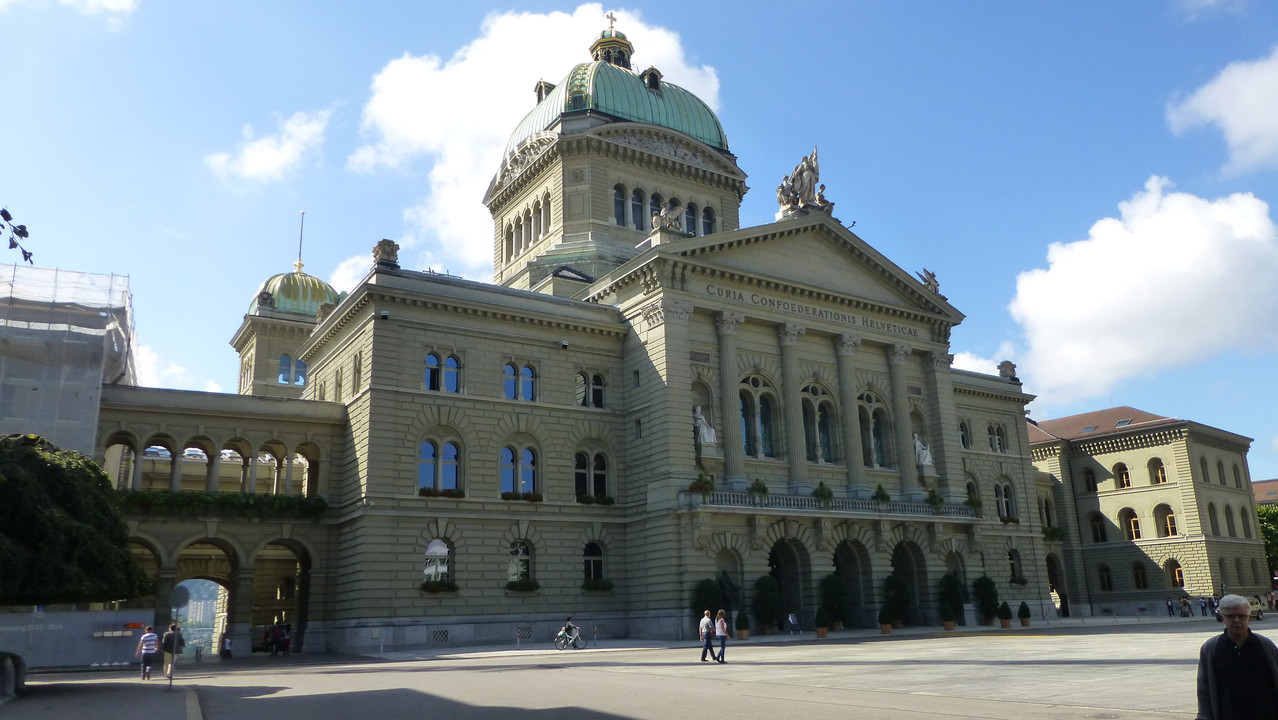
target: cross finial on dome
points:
(611, 19)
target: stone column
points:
(944, 438)
(213, 472)
(792, 405)
(164, 583)
(277, 476)
(729, 420)
(845, 347)
(250, 475)
(901, 410)
(135, 482)
(175, 472)
(288, 475)
(239, 613)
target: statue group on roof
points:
(802, 188)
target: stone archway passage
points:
(910, 568)
(281, 593)
(852, 564)
(793, 572)
(1056, 583)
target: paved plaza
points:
(1097, 669)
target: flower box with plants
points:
(703, 485)
(233, 504)
(881, 495)
(595, 500)
(528, 496)
(445, 493)
(435, 587)
(1053, 534)
(596, 585)
(523, 586)
(758, 492)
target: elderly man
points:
(1237, 670)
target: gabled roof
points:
(1097, 423)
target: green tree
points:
(767, 601)
(14, 231)
(62, 539)
(1268, 520)
(706, 596)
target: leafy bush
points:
(896, 595)
(438, 586)
(524, 585)
(950, 594)
(880, 495)
(743, 620)
(834, 597)
(947, 613)
(767, 601)
(823, 494)
(235, 504)
(822, 618)
(986, 594)
(706, 596)
(885, 616)
(1023, 611)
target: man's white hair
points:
(1234, 601)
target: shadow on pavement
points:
(254, 703)
(97, 701)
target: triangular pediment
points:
(812, 254)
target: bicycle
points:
(563, 640)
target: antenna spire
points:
(300, 230)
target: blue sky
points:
(1090, 181)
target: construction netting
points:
(63, 334)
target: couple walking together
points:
(710, 629)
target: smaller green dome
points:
(293, 292)
(610, 33)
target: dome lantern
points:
(612, 46)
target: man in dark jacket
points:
(1238, 669)
(172, 644)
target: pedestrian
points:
(721, 632)
(706, 627)
(172, 642)
(1202, 606)
(1170, 612)
(146, 650)
(226, 646)
(1237, 669)
(1184, 608)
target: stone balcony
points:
(774, 503)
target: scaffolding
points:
(63, 335)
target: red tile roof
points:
(1095, 423)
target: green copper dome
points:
(293, 292)
(617, 91)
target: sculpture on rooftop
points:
(802, 188)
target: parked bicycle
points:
(569, 635)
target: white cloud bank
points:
(1242, 101)
(1174, 280)
(154, 371)
(273, 156)
(458, 113)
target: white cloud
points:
(1175, 280)
(1198, 8)
(350, 271)
(975, 363)
(155, 371)
(458, 114)
(1241, 102)
(116, 11)
(270, 157)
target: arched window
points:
(1096, 522)
(1237, 477)
(1005, 500)
(583, 390)
(973, 494)
(1246, 523)
(690, 219)
(818, 436)
(592, 562)
(1157, 472)
(591, 475)
(520, 566)
(1130, 522)
(619, 205)
(518, 470)
(1140, 580)
(510, 241)
(1105, 577)
(439, 561)
(655, 205)
(286, 370)
(1089, 480)
(519, 383)
(1220, 472)
(636, 209)
(545, 213)
(1122, 477)
(1238, 570)
(590, 390)
(1045, 512)
(1224, 573)
(437, 466)
(876, 431)
(1014, 564)
(1202, 469)
(1175, 574)
(757, 421)
(965, 436)
(433, 372)
(707, 221)
(452, 374)
(1165, 521)
(1229, 521)
(1211, 518)
(538, 228)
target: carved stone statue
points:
(922, 453)
(705, 434)
(386, 254)
(802, 188)
(1007, 370)
(928, 278)
(669, 218)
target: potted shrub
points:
(880, 495)
(935, 500)
(986, 594)
(1023, 612)
(834, 598)
(438, 586)
(822, 622)
(706, 596)
(1004, 615)
(885, 620)
(743, 625)
(950, 594)
(896, 596)
(758, 492)
(703, 485)
(947, 616)
(823, 494)
(767, 603)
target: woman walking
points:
(721, 632)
